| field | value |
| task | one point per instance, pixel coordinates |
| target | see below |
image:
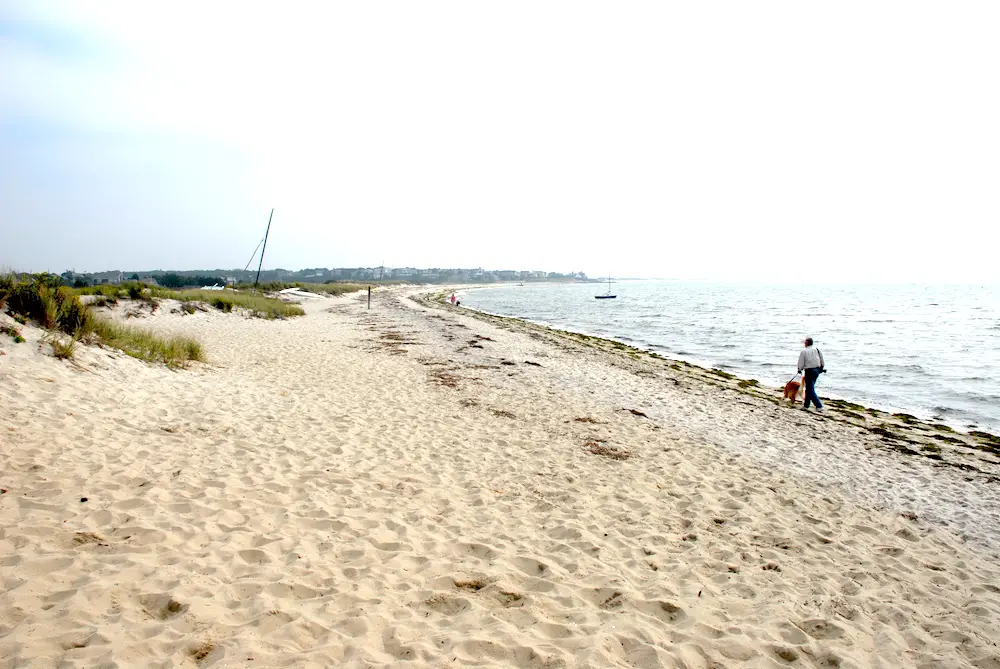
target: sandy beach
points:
(420, 486)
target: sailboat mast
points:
(263, 250)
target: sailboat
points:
(607, 295)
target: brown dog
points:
(792, 389)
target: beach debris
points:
(84, 499)
(445, 379)
(83, 538)
(201, 651)
(3, 491)
(597, 447)
(501, 413)
(635, 412)
(533, 364)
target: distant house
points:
(102, 278)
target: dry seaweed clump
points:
(597, 447)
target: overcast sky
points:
(753, 141)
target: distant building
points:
(102, 278)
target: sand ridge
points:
(413, 485)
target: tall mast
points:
(263, 250)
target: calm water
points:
(933, 351)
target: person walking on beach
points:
(811, 361)
(453, 299)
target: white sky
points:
(786, 141)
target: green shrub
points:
(222, 304)
(20, 319)
(24, 301)
(6, 286)
(10, 331)
(72, 313)
(135, 290)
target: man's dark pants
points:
(811, 375)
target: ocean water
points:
(929, 350)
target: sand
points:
(417, 486)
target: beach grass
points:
(59, 310)
(258, 305)
(63, 349)
(145, 345)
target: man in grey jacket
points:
(811, 361)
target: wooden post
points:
(369, 297)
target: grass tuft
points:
(222, 304)
(62, 349)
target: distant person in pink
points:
(453, 299)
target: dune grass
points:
(145, 345)
(227, 300)
(58, 309)
(62, 349)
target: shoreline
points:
(844, 402)
(972, 459)
(423, 484)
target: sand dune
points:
(417, 487)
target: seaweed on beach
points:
(986, 436)
(597, 447)
(446, 379)
(844, 404)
